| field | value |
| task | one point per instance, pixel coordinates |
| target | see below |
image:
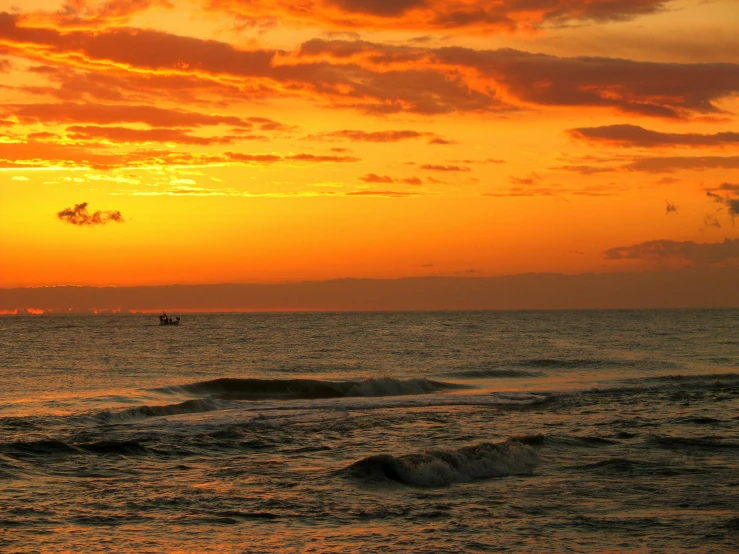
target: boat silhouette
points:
(164, 319)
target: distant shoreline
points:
(693, 287)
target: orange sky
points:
(209, 141)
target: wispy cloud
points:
(655, 164)
(449, 16)
(444, 168)
(632, 136)
(354, 135)
(372, 178)
(729, 197)
(385, 193)
(704, 253)
(61, 156)
(111, 114)
(557, 191)
(126, 135)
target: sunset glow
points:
(234, 141)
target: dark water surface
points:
(581, 431)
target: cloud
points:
(269, 125)
(381, 8)
(373, 78)
(447, 168)
(504, 79)
(486, 161)
(710, 220)
(557, 191)
(440, 15)
(682, 163)
(108, 114)
(49, 154)
(665, 250)
(731, 200)
(367, 136)
(727, 187)
(314, 158)
(80, 216)
(92, 13)
(273, 158)
(630, 136)
(657, 164)
(670, 208)
(184, 190)
(457, 273)
(385, 193)
(586, 169)
(126, 135)
(251, 158)
(196, 192)
(42, 135)
(372, 178)
(522, 192)
(439, 140)
(189, 190)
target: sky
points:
(151, 142)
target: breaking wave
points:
(443, 467)
(188, 407)
(264, 389)
(44, 447)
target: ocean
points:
(571, 431)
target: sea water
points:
(579, 431)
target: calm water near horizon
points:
(579, 431)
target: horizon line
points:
(408, 277)
(33, 312)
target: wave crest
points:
(188, 407)
(309, 389)
(443, 467)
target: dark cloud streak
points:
(440, 15)
(701, 253)
(630, 136)
(446, 168)
(80, 216)
(381, 79)
(731, 200)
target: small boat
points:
(164, 319)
